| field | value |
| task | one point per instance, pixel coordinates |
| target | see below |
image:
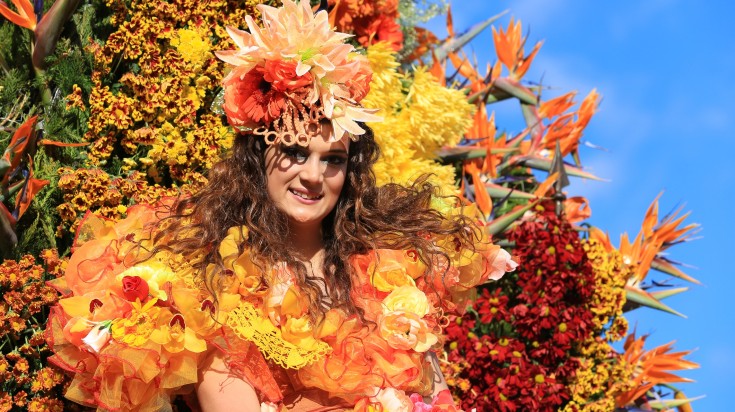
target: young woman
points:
(290, 281)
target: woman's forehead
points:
(327, 142)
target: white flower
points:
(98, 337)
(394, 400)
(268, 407)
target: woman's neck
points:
(308, 243)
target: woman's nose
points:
(312, 170)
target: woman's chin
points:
(305, 220)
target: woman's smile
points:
(305, 195)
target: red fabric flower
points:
(250, 100)
(134, 287)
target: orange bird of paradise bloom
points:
(509, 48)
(24, 17)
(651, 368)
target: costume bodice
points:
(134, 333)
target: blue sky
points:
(662, 69)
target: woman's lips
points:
(305, 196)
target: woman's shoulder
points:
(142, 321)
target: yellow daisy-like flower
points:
(136, 329)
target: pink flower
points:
(503, 263)
(418, 403)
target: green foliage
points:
(13, 89)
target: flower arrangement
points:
(127, 105)
(283, 82)
(27, 380)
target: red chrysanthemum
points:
(521, 337)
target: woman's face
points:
(305, 182)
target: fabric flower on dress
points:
(293, 72)
(402, 323)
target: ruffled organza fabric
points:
(135, 329)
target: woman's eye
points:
(294, 153)
(335, 160)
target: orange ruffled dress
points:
(134, 334)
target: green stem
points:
(45, 91)
(4, 64)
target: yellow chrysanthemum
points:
(438, 116)
(192, 45)
(418, 119)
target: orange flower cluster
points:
(170, 81)
(108, 196)
(25, 382)
(372, 21)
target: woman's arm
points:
(219, 390)
(437, 377)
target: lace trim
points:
(248, 324)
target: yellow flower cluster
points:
(420, 116)
(611, 273)
(157, 107)
(193, 45)
(108, 196)
(602, 373)
(598, 379)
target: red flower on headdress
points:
(250, 99)
(282, 75)
(382, 28)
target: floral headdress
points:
(293, 72)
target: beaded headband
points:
(292, 73)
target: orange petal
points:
(25, 17)
(450, 23)
(25, 196)
(47, 142)
(481, 196)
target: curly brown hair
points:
(366, 217)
